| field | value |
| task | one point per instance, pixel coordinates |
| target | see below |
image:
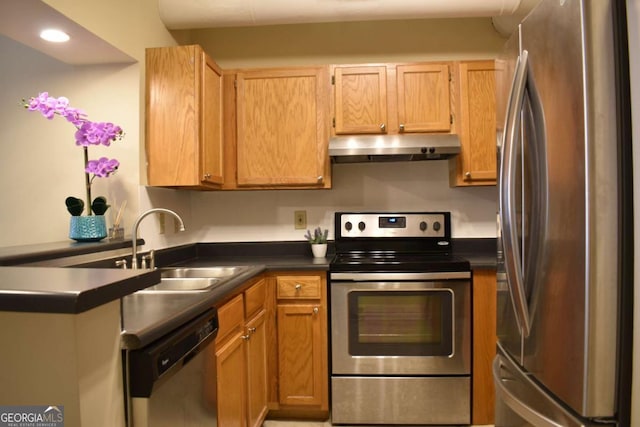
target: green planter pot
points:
(88, 228)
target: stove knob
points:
(423, 225)
(348, 226)
(361, 226)
(436, 226)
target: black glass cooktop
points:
(388, 261)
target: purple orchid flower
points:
(87, 133)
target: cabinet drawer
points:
(230, 317)
(295, 287)
(254, 298)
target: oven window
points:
(401, 323)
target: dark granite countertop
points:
(25, 254)
(66, 290)
(148, 316)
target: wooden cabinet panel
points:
(211, 123)
(254, 298)
(360, 100)
(484, 346)
(424, 98)
(392, 98)
(476, 164)
(183, 118)
(294, 287)
(302, 358)
(231, 383)
(257, 369)
(282, 128)
(241, 358)
(300, 354)
(230, 318)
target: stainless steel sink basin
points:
(192, 284)
(203, 272)
(194, 279)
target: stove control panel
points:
(401, 225)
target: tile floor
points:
(271, 423)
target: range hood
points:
(392, 148)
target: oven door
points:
(401, 327)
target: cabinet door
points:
(172, 105)
(484, 345)
(282, 128)
(301, 367)
(211, 120)
(231, 380)
(477, 160)
(423, 98)
(183, 118)
(360, 99)
(257, 370)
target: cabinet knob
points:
(251, 330)
(467, 175)
(207, 175)
(316, 310)
(320, 178)
(245, 337)
(401, 127)
(298, 286)
(383, 127)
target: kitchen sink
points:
(184, 284)
(194, 279)
(203, 272)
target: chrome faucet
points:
(134, 253)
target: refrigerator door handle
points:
(536, 143)
(509, 398)
(508, 196)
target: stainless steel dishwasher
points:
(172, 381)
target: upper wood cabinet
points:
(392, 98)
(184, 143)
(282, 128)
(360, 99)
(476, 163)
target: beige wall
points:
(352, 42)
(40, 164)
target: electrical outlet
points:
(300, 220)
(161, 222)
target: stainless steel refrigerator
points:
(565, 270)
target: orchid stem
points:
(87, 180)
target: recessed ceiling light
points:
(55, 36)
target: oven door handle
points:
(367, 277)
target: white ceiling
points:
(189, 14)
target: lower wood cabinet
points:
(241, 359)
(302, 351)
(484, 346)
(272, 350)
